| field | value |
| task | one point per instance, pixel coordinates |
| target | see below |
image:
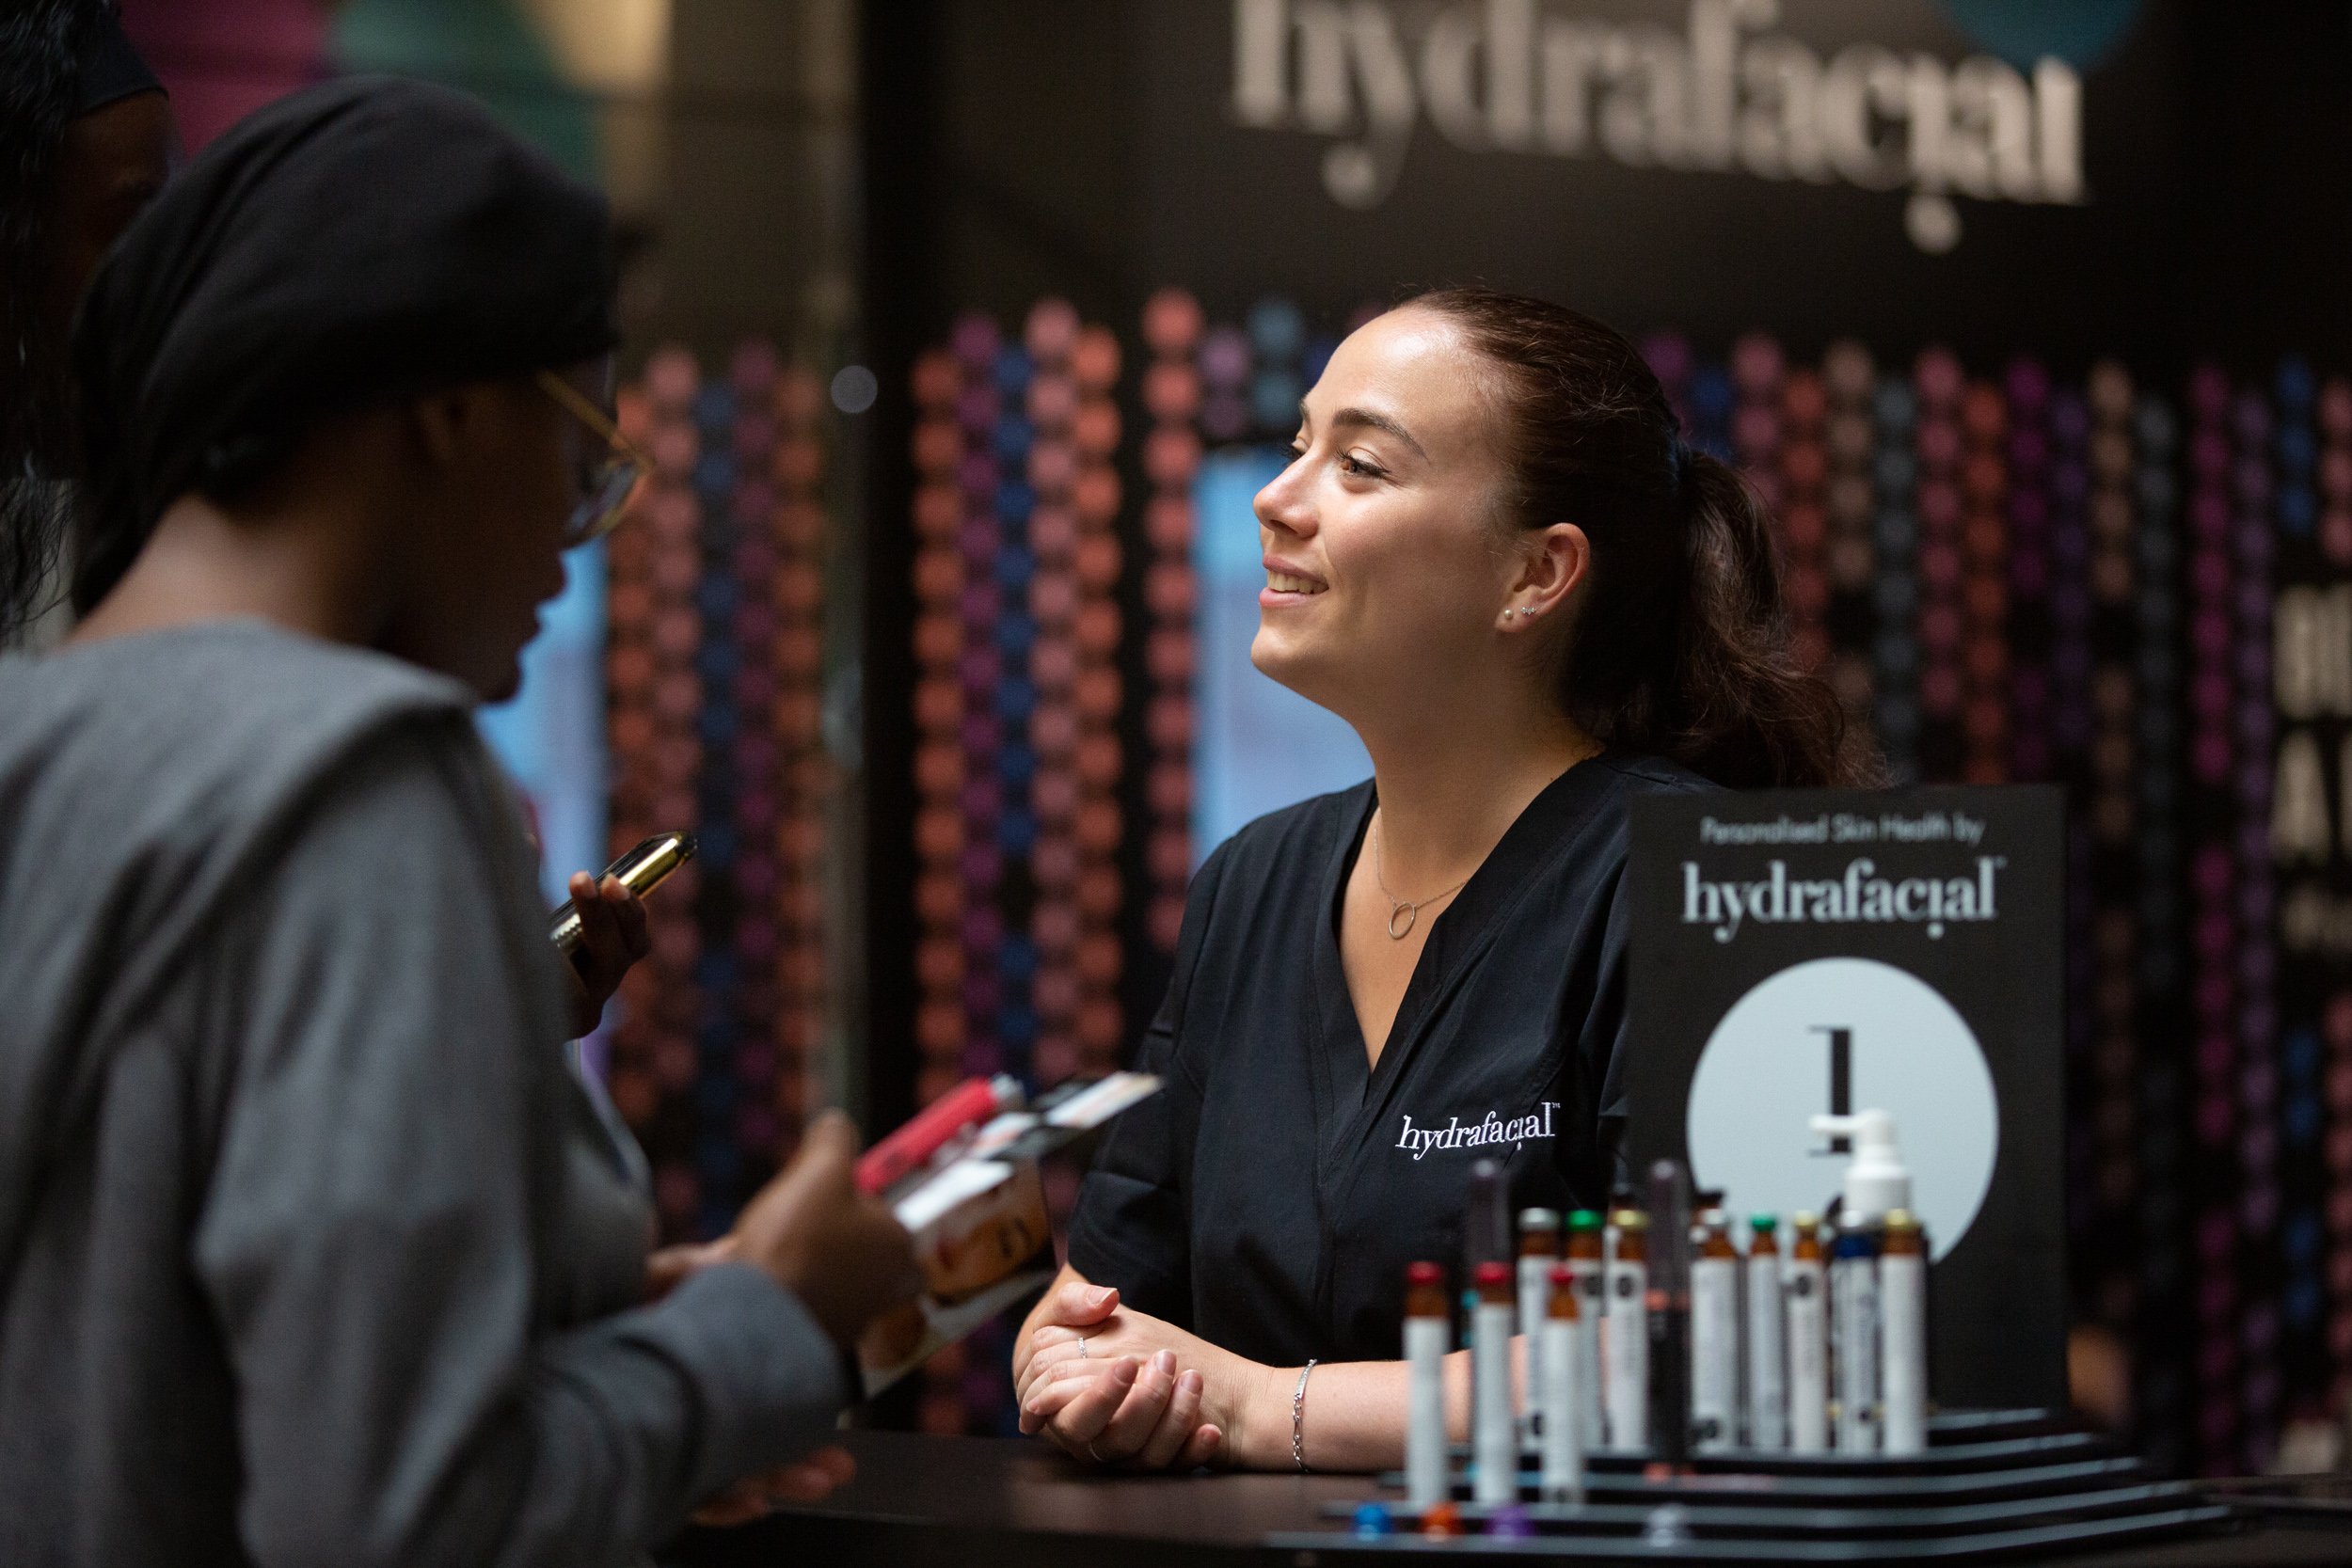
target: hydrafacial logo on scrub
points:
(1861, 896)
(1720, 95)
(1456, 1133)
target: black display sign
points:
(1818, 952)
(1828, 167)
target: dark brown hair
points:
(1680, 644)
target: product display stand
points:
(1992, 1483)
(952, 1502)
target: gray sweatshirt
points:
(313, 1250)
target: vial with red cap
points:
(1494, 1420)
(1428, 1338)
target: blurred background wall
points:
(963, 330)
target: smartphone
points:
(640, 871)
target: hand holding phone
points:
(640, 871)
(602, 931)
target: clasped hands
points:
(1114, 1387)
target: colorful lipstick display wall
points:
(713, 669)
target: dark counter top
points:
(919, 1501)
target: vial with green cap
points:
(1768, 1345)
(1586, 1266)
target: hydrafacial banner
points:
(1872, 168)
(1724, 91)
(1824, 952)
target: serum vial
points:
(1539, 1252)
(1808, 1298)
(1768, 1340)
(1904, 1334)
(1853, 1332)
(1624, 1333)
(1561, 1394)
(1495, 1434)
(1428, 1338)
(1586, 1268)
(1714, 1331)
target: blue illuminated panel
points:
(1260, 746)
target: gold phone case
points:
(640, 871)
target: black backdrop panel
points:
(1895, 950)
(1235, 209)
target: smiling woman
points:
(1494, 556)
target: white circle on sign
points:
(1768, 1070)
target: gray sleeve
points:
(368, 1231)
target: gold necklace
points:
(1409, 908)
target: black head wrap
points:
(356, 243)
(111, 69)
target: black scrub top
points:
(1270, 1197)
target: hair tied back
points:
(1680, 645)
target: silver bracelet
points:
(1299, 1418)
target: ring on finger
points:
(1082, 1347)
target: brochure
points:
(976, 1211)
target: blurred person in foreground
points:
(312, 1248)
(86, 141)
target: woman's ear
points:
(449, 423)
(1555, 560)
(439, 422)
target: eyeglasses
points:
(606, 482)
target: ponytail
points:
(1738, 708)
(1680, 644)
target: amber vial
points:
(1563, 1304)
(1632, 1235)
(1424, 1291)
(1806, 1246)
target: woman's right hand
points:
(1144, 1404)
(1069, 1301)
(835, 1248)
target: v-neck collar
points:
(1336, 1044)
(1354, 1093)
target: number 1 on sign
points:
(1840, 1080)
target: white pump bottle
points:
(1876, 1177)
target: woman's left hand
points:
(1141, 1392)
(613, 936)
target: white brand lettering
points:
(1859, 898)
(1723, 95)
(1419, 1141)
